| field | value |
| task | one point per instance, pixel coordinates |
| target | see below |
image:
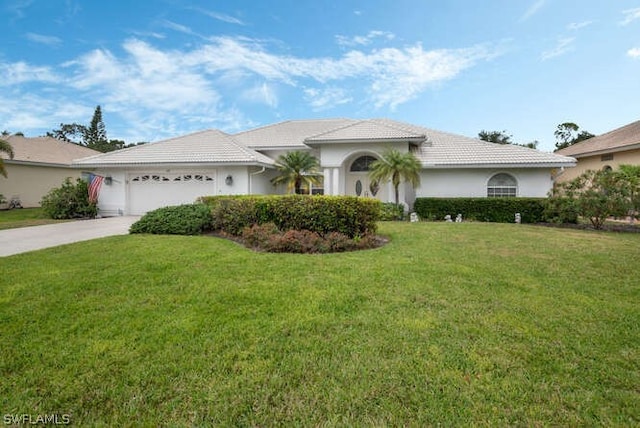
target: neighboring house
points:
(607, 151)
(178, 170)
(39, 165)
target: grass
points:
(24, 217)
(451, 324)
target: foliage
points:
(5, 147)
(268, 237)
(396, 167)
(188, 219)
(497, 210)
(476, 325)
(295, 169)
(93, 136)
(321, 214)
(501, 137)
(567, 135)
(2, 199)
(595, 195)
(390, 211)
(630, 177)
(69, 201)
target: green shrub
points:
(69, 201)
(391, 212)
(350, 216)
(561, 210)
(188, 219)
(498, 210)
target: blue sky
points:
(165, 68)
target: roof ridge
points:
(273, 125)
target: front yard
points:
(451, 324)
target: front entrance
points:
(358, 182)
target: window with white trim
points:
(502, 186)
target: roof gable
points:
(367, 131)
(626, 137)
(45, 150)
(209, 146)
(288, 134)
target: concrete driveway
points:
(21, 240)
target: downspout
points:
(251, 174)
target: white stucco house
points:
(179, 170)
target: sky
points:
(165, 68)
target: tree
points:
(396, 166)
(296, 168)
(93, 136)
(567, 135)
(595, 195)
(6, 148)
(497, 137)
(501, 137)
(96, 134)
(630, 175)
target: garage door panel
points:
(151, 190)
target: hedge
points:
(498, 210)
(348, 215)
(188, 219)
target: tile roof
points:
(289, 134)
(45, 150)
(443, 149)
(624, 138)
(209, 146)
(367, 131)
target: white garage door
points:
(150, 190)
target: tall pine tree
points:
(96, 134)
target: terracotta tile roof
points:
(210, 146)
(45, 150)
(624, 138)
(289, 134)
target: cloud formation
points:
(630, 15)
(564, 45)
(634, 53)
(532, 10)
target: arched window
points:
(363, 163)
(502, 185)
(607, 168)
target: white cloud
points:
(564, 45)
(634, 53)
(574, 26)
(45, 40)
(261, 94)
(221, 16)
(630, 15)
(178, 27)
(364, 40)
(532, 10)
(20, 72)
(326, 98)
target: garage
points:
(150, 190)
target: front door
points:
(358, 181)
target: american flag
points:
(95, 182)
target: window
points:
(607, 168)
(502, 185)
(363, 163)
(605, 158)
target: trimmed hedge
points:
(497, 210)
(188, 219)
(348, 215)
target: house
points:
(607, 151)
(210, 162)
(39, 165)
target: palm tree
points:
(6, 148)
(396, 166)
(295, 169)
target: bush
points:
(350, 216)
(391, 212)
(498, 210)
(267, 237)
(69, 201)
(188, 219)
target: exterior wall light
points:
(229, 180)
(108, 180)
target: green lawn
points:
(11, 219)
(451, 324)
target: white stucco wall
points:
(448, 183)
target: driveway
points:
(21, 240)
